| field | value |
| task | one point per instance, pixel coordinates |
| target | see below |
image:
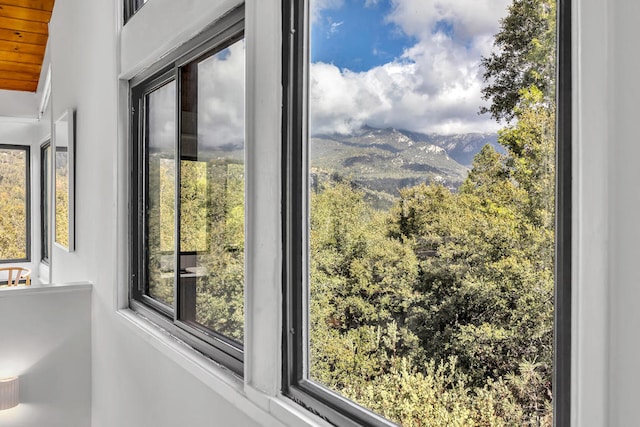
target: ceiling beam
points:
(20, 67)
(24, 13)
(18, 85)
(14, 75)
(23, 37)
(20, 57)
(22, 25)
(31, 4)
(34, 49)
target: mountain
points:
(460, 147)
(381, 161)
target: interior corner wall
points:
(46, 342)
(133, 384)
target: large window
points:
(188, 193)
(45, 200)
(428, 211)
(14, 203)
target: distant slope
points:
(460, 147)
(381, 161)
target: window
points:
(428, 270)
(15, 193)
(188, 193)
(45, 200)
(131, 7)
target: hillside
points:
(460, 147)
(381, 161)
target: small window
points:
(15, 203)
(45, 200)
(188, 194)
(131, 7)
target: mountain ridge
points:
(382, 161)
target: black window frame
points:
(218, 36)
(131, 7)
(324, 402)
(27, 150)
(45, 203)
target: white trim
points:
(219, 379)
(20, 291)
(11, 119)
(46, 93)
(590, 201)
(172, 23)
(263, 236)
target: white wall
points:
(45, 339)
(624, 203)
(136, 381)
(18, 104)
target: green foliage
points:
(525, 57)
(220, 292)
(62, 198)
(211, 238)
(13, 207)
(440, 311)
(361, 288)
(160, 229)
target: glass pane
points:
(62, 196)
(45, 194)
(161, 192)
(212, 193)
(13, 199)
(432, 226)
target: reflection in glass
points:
(160, 209)
(211, 287)
(62, 196)
(45, 200)
(13, 200)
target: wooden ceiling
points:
(24, 29)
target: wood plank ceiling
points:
(24, 29)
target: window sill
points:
(264, 409)
(219, 379)
(35, 288)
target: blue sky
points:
(408, 64)
(357, 37)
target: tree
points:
(525, 57)
(361, 288)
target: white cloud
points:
(469, 18)
(317, 6)
(435, 86)
(334, 27)
(221, 94)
